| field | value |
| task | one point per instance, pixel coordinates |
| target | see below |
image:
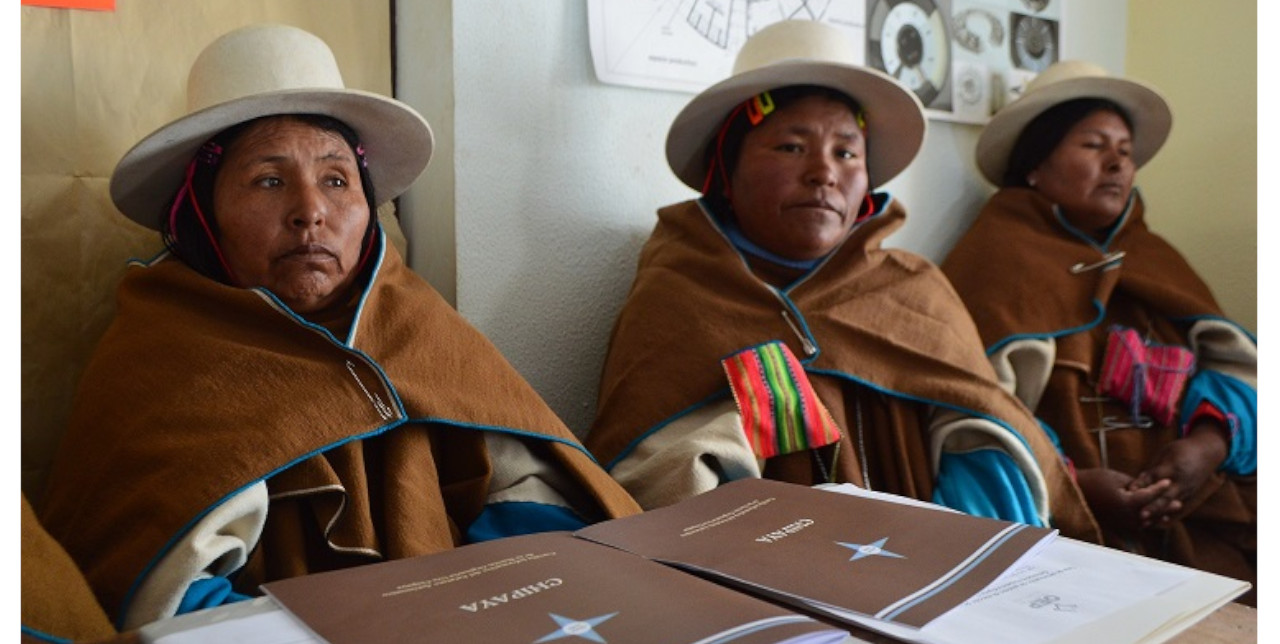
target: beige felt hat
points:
(1067, 80)
(263, 70)
(802, 52)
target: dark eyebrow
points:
(340, 155)
(337, 155)
(1100, 132)
(802, 129)
(850, 135)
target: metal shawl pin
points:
(1106, 261)
(808, 347)
(1113, 422)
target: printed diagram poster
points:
(962, 58)
(997, 47)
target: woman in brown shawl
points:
(279, 394)
(769, 334)
(1103, 329)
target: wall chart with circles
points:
(962, 58)
(909, 40)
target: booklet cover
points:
(536, 588)
(831, 553)
(1072, 592)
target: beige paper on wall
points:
(93, 83)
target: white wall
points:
(556, 176)
(424, 78)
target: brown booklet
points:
(863, 561)
(537, 588)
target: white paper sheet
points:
(259, 621)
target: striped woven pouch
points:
(780, 411)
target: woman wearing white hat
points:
(279, 394)
(1103, 328)
(769, 334)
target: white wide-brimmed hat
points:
(1068, 80)
(265, 70)
(802, 52)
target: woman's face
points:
(292, 212)
(800, 178)
(1090, 174)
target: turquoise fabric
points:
(985, 483)
(521, 517)
(1239, 402)
(207, 593)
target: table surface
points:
(1227, 625)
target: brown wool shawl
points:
(56, 599)
(883, 318)
(1018, 234)
(198, 389)
(1151, 288)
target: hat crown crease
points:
(263, 70)
(260, 61)
(1065, 70)
(799, 40)
(802, 52)
(1064, 81)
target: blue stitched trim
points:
(626, 451)
(43, 636)
(368, 289)
(155, 259)
(1097, 305)
(129, 595)
(1116, 226)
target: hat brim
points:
(1146, 108)
(396, 139)
(895, 116)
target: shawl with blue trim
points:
(1018, 235)
(199, 389)
(886, 323)
(1012, 269)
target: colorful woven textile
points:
(780, 411)
(1149, 376)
